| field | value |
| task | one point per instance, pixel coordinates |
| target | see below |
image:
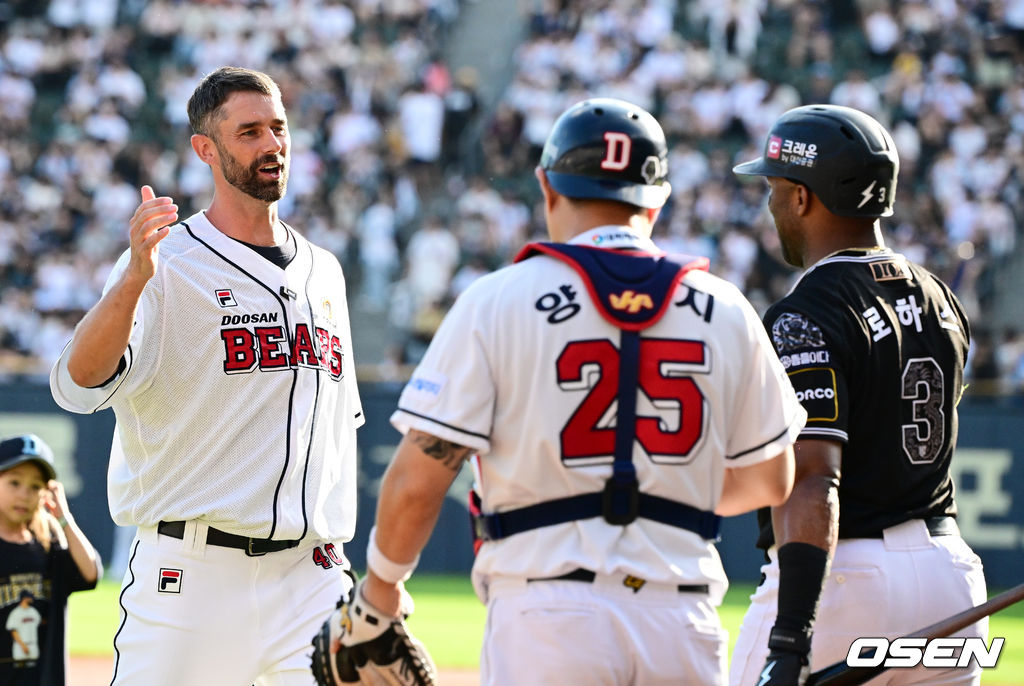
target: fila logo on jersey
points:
(631, 301)
(170, 580)
(270, 349)
(225, 298)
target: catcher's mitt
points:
(358, 644)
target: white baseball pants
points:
(194, 614)
(887, 587)
(602, 633)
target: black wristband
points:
(802, 569)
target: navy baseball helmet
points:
(608, 149)
(27, 448)
(844, 156)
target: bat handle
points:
(840, 674)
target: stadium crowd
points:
(419, 187)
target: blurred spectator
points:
(473, 269)
(983, 370)
(857, 92)
(378, 253)
(505, 152)
(1010, 358)
(432, 256)
(461, 105)
(882, 31)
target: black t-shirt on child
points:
(34, 587)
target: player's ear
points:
(545, 186)
(652, 214)
(204, 148)
(802, 199)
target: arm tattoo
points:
(447, 453)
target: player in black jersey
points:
(875, 348)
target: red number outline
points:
(665, 378)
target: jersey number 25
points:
(663, 378)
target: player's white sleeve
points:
(451, 394)
(767, 414)
(75, 398)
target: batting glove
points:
(788, 662)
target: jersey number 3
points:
(663, 378)
(923, 387)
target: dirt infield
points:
(95, 671)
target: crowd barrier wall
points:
(988, 472)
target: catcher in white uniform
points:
(619, 401)
(222, 343)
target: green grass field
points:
(449, 619)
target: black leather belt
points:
(253, 547)
(587, 576)
(942, 525)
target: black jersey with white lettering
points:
(875, 347)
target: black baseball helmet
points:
(844, 156)
(609, 149)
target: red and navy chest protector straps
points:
(632, 290)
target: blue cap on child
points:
(27, 448)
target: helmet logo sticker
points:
(651, 169)
(790, 151)
(617, 153)
(866, 195)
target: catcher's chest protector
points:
(631, 288)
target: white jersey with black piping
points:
(238, 403)
(523, 370)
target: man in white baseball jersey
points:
(222, 343)
(619, 401)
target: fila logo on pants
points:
(170, 580)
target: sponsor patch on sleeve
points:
(816, 390)
(425, 385)
(793, 331)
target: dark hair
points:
(215, 88)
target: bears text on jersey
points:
(270, 349)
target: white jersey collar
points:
(614, 237)
(247, 258)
